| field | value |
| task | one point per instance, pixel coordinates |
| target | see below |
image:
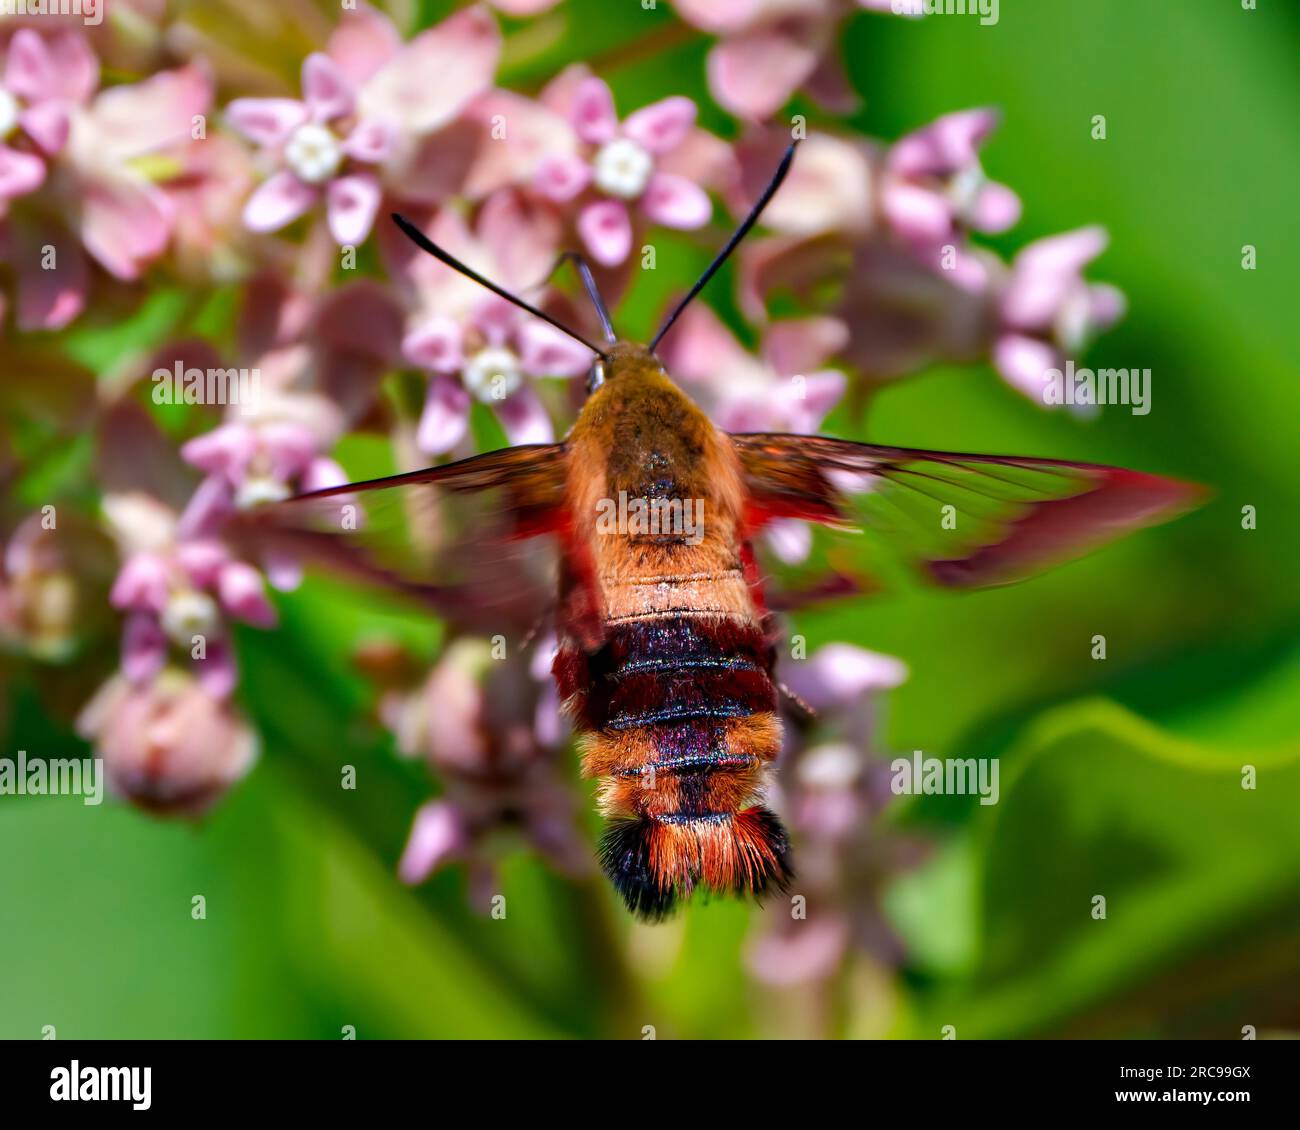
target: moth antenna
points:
(424, 243)
(589, 283)
(749, 221)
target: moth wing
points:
(473, 541)
(962, 520)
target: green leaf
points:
(1097, 802)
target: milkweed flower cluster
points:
(833, 787)
(244, 183)
(490, 727)
(915, 287)
(623, 166)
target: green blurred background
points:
(1120, 777)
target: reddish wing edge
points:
(526, 481)
(1080, 505)
(532, 464)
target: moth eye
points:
(595, 376)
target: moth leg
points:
(803, 714)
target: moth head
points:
(623, 358)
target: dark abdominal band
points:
(680, 684)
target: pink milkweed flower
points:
(176, 594)
(275, 454)
(311, 367)
(97, 194)
(125, 218)
(476, 722)
(318, 158)
(169, 745)
(832, 789)
(831, 187)
(367, 102)
(207, 201)
(624, 165)
(888, 229)
(933, 188)
(477, 346)
(40, 84)
(1047, 310)
(769, 49)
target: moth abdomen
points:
(678, 716)
(654, 861)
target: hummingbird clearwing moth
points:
(637, 531)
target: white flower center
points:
(492, 374)
(313, 153)
(622, 168)
(9, 109)
(188, 614)
(256, 489)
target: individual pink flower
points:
(274, 453)
(839, 677)
(177, 594)
(99, 195)
(41, 82)
(769, 49)
(1048, 311)
(477, 346)
(323, 150)
(831, 187)
(623, 166)
(933, 188)
(169, 745)
(125, 217)
(314, 372)
(480, 723)
(367, 102)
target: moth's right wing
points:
(960, 520)
(473, 541)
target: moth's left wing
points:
(966, 520)
(473, 541)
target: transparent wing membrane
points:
(965, 520)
